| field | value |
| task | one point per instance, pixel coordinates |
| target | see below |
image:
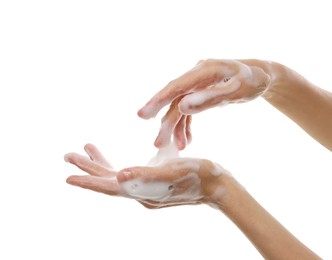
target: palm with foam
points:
(177, 181)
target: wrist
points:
(280, 75)
(224, 192)
(282, 79)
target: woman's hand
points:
(210, 83)
(179, 181)
(184, 181)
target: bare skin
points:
(215, 81)
(211, 185)
(196, 181)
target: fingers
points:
(180, 137)
(248, 84)
(95, 155)
(169, 122)
(88, 165)
(177, 124)
(189, 88)
(177, 119)
(199, 101)
(201, 76)
(108, 186)
(182, 132)
(188, 129)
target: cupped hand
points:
(179, 181)
(210, 83)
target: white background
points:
(73, 72)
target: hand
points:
(179, 181)
(210, 83)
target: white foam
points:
(190, 164)
(166, 131)
(217, 170)
(154, 190)
(165, 154)
(191, 103)
(137, 189)
(186, 189)
(217, 194)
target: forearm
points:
(306, 104)
(270, 238)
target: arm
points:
(306, 104)
(270, 238)
(184, 181)
(220, 82)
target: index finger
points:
(200, 77)
(88, 165)
(106, 185)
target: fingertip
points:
(181, 145)
(165, 134)
(160, 142)
(147, 112)
(72, 158)
(67, 157)
(185, 107)
(88, 147)
(180, 141)
(152, 108)
(70, 180)
(141, 113)
(157, 143)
